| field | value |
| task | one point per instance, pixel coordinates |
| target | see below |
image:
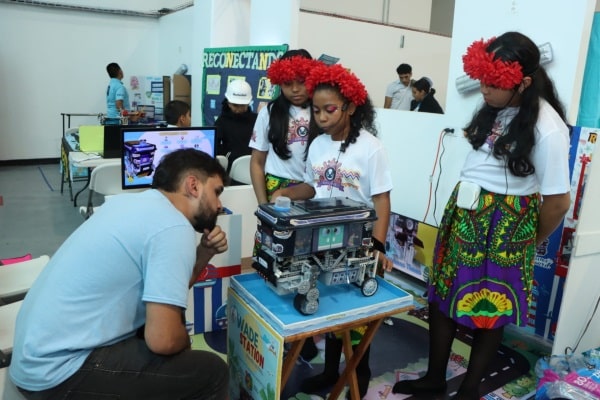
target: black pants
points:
(129, 370)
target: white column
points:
(274, 22)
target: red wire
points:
(437, 154)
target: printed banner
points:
(254, 353)
(552, 259)
(222, 65)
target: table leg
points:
(290, 361)
(349, 373)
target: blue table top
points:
(337, 304)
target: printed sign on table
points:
(254, 353)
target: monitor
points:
(148, 112)
(143, 148)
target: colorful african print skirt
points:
(483, 263)
(274, 182)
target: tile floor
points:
(34, 216)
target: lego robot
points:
(327, 240)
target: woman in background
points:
(424, 101)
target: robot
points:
(139, 156)
(326, 240)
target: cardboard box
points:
(182, 88)
(166, 91)
(207, 299)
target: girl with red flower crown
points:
(279, 140)
(345, 159)
(513, 192)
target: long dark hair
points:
(279, 115)
(363, 118)
(515, 146)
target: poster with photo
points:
(410, 244)
(224, 64)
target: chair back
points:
(240, 170)
(105, 180)
(224, 161)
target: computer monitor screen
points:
(148, 112)
(142, 150)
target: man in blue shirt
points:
(117, 98)
(105, 319)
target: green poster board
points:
(224, 64)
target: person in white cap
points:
(235, 123)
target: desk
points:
(260, 322)
(72, 157)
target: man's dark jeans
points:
(129, 370)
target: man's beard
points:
(204, 219)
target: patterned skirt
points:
(483, 263)
(274, 182)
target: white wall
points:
(53, 62)
(373, 51)
(415, 14)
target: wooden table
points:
(341, 308)
(348, 376)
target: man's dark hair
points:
(113, 70)
(174, 166)
(175, 109)
(404, 69)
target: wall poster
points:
(222, 65)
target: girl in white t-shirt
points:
(280, 137)
(513, 192)
(345, 159)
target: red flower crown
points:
(295, 68)
(336, 75)
(480, 64)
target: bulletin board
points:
(222, 65)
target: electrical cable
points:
(437, 154)
(437, 184)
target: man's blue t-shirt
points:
(115, 91)
(136, 248)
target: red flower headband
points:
(336, 75)
(295, 68)
(480, 64)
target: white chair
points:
(8, 390)
(8, 316)
(105, 180)
(240, 170)
(17, 278)
(224, 161)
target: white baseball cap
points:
(239, 92)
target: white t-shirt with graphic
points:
(359, 173)
(401, 95)
(550, 157)
(292, 168)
